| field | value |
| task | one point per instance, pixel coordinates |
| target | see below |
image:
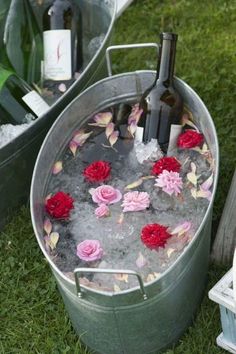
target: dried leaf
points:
(122, 277)
(80, 137)
(141, 261)
(47, 226)
(102, 119)
(134, 184)
(73, 147)
(113, 137)
(57, 168)
(109, 129)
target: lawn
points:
(32, 314)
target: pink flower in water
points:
(105, 194)
(135, 201)
(102, 210)
(89, 250)
(170, 182)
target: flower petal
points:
(116, 288)
(57, 168)
(47, 226)
(102, 119)
(122, 277)
(109, 129)
(141, 260)
(170, 251)
(80, 137)
(207, 184)
(187, 121)
(73, 147)
(182, 228)
(54, 237)
(113, 137)
(121, 218)
(194, 193)
(204, 194)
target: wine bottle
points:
(18, 102)
(62, 38)
(161, 103)
(23, 41)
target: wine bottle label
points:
(57, 55)
(139, 134)
(175, 130)
(35, 102)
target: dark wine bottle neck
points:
(166, 62)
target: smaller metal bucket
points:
(18, 157)
(147, 318)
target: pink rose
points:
(105, 194)
(135, 201)
(89, 250)
(102, 210)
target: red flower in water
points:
(97, 171)
(154, 235)
(189, 139)
(59, 205)
(166, 163)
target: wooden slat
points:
(225, 241)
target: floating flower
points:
(135, 201)
(155, 236)
(170, 182)
(98, 171)
(59, 205)
(89, 250)
(102, 210)
(166, 163)
(102, 119)
(105, 194)
(189, 139)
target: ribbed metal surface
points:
(125, 323)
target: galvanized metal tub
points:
(144, 319)
(18, 157)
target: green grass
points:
(32, 314)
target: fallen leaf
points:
(134, 184)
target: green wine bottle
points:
(23, 41)
(18, 102)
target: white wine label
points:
(57, 55)
(139, 134)
(175, 130)
(35, 102)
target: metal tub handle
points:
(126, 46)
(78, 271)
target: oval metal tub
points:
(147, 318)
(18, 157)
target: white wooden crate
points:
(223, 293)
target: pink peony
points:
(105, 194)
(170, 182)
(89, 250)
(135, 201)
(102, 210)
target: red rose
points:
(59, 205)
(166, 163)
(189, 139)
(154, 235)
(97, 171)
